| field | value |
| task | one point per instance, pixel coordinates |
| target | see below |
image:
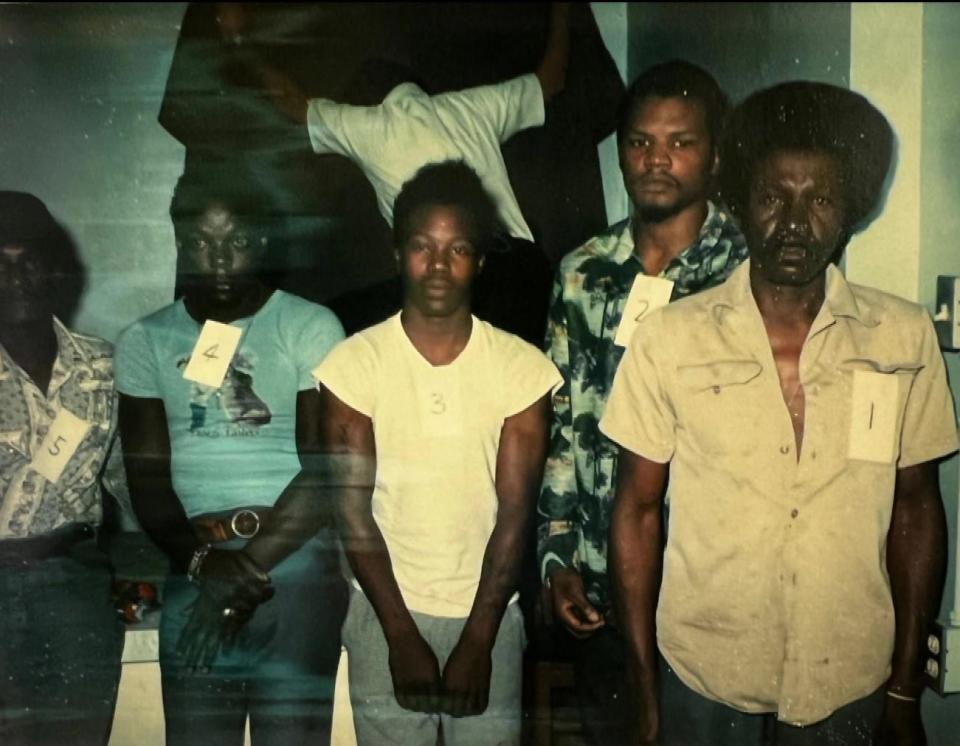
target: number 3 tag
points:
(212, 353)
(66, 433)
(646, 294)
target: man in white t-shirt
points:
(437, 427)
(408, 129)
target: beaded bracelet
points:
(901, 697)
(193, 569)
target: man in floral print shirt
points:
(677, 242)
(60, 637)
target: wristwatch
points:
(193, 569)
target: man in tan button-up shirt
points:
(801, 418)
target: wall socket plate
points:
(942, 658)
(946, 318)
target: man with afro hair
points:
(801, 418)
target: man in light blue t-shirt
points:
(219, 413)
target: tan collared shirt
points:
(775, 595)
(82, 383)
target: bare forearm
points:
(916, 562)
(498, 581)
(163, 519)
(299, 513)
(369, 559)
(636, 565)
(552, 71)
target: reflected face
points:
(795, 216)
(26, 283)
(666, 156)
(439, 261)
(222, 254)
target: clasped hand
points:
(462, 690)
(232, 585)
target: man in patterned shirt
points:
(676, 243)
(60, 638)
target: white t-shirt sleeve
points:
(507, 107)
(639, 415)
(528, 375)
(349, 371)
(134, 364)
(320, 334)
(341, 128)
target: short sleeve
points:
(349, 371)
(322, 332)
(508, 107)
(333, 127)
(134, 364)
(929, 422)
(528, 375)
(639, 415)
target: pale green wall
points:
(745, 45)
(80, 87)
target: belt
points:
(55, 544)
(244, 523)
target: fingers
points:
(578, 614)
(420, 697)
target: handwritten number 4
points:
(211, 352)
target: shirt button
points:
(794, 513)
(42, 430)
(716, 389)
(784, 450)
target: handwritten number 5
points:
(54, 448)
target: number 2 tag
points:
(646, 294)
(212, 353)
(66, 433)
(873, 412)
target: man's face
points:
(795, 217)
(666, 156)
(221, 254)
(439, 261)
(26, 283)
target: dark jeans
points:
(687, 719)
(281, 671)
(600, 678)
(60, 647)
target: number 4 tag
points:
(212, 353)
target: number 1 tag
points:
(646, 294)
(212, 353)
(873, 416)
(66, 433)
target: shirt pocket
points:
(720, 403)
(874, 395)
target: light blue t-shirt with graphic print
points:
(233, 446)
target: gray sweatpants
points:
(378, 718)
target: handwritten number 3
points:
(438, 405)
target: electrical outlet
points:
(942, 658)
(947, 316)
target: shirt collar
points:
(711, 231)
(839, 300)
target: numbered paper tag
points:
(212, 353)
(440, 403)
(66, 433)
(646, 294)
(873, 416)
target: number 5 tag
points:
(212, 353)
(646, 294)
(66, 433)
